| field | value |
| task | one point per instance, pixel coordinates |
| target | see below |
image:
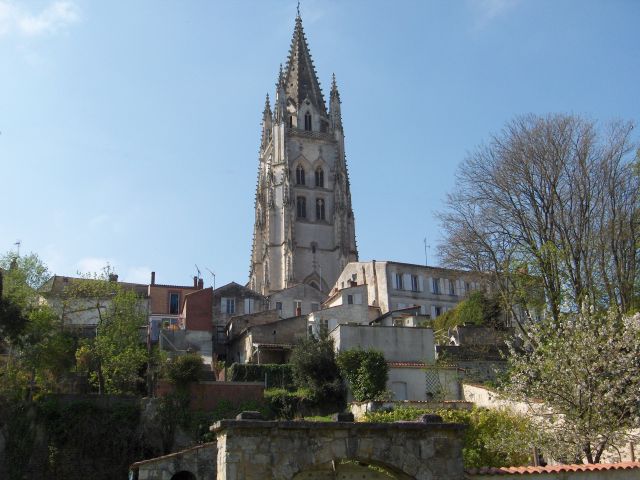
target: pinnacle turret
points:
(334, 105)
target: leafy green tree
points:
(366, 371)
(22, 276)
(185, 369)
(586, 370)
(314, 367)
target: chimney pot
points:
(200, 283)
(153, 278)
(195, 281)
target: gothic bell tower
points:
(304, 228)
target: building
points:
(304, 225)
(166, 303)
(81, 301)
(396, 286)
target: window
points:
(313, 248)
(467, 287)
(290, 121)
(436, 285)
(297, 307)
(307, 122)
(438, 311)
(248, 305)
(279, 306)
(349, 299)
(414, 283)
(452, 287)
(300, 175)
(301, 204)
(174, 303)
(324, 324)
(319, 209)
(399, 283)
(315, 306)
(319, 177)
(228, 305)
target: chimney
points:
(195, 282)
(153, 278)
(113, 277)
(200, 284)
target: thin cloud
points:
(486, 11)
(53, 18)
(91, 265)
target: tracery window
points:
(319, 177)
(307, 122)
(300, 175)
(301, 205)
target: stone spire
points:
(334, 106)
(300, 76)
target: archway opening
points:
(184, 475)
(348, 469)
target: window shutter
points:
(247, 305)
(357, 299)
(223, 305)
(433, 311)
(430, 282)
(420, 283)
(423, 310)
(406, 281)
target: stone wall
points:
(257, 450)
(200, 461)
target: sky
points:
(129, 131)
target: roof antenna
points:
(18, 242)
(198, 270)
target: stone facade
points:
(304, 226)
(395, 285)
(191, 464)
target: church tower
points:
(304, 227)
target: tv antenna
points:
(426, 254)
(199, 273)
(213, 275)
(17, 244)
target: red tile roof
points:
(582, 467)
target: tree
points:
(41, 352)
(366, 371)
(117, 354)
(550, 207)
(586, 370)
(314, 367)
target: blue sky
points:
(130, 130)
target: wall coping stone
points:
(223, 425)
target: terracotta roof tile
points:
(582, 467)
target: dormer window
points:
(300, 175)
(307, 122)
(319, 177)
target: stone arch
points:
(351, 469)
(184, 475)
(314, 278)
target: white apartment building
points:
(395, 285)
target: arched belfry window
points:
(307, 122)
(300, 175)
(319, 177)
(301, 206)
(319, 209)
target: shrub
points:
(185, 369)
(366, 371)
(494, 438)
